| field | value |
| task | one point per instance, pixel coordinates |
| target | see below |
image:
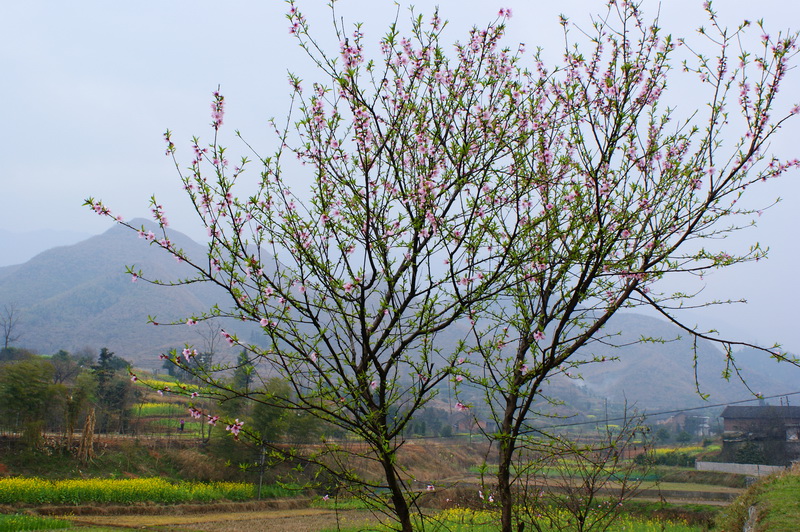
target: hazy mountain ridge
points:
(19, 247)
(665, 373)
(79, 295)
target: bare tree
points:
(580, 482)
(9, 322)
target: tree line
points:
(54, 393)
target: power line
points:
(578, 423)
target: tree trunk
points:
(401, 508)
(506, 455)
(504, 489)
(86, 449)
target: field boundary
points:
(753, 470)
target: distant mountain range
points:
(664, 376)
(76, 296)
(79, 295)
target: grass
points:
(120, 491)
(469, 520)
(159, 409)
(190, 425)
(777, 499)
(549, 471)
(687, 449)
(781, 503)
(348, 503)
(11, 522)
(688, 486)
(171, 385)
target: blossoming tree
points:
(631, 194)
(458, 195)
(408, 226)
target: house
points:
(697, 426)
(761, 434)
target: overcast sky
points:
(91, 86)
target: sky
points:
(91, 86)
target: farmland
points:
(132, 499)
(154, 464)
(196, 477)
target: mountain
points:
(16, 248)
(76, 296)
(664, 373)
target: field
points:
(140, 495)
(316, 519)
(164, 477)
(29, 491)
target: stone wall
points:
(754, 470)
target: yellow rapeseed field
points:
(118, 491)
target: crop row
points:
(118, 491)
(160, 409)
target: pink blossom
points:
(235, 427)
(461, 407)
(430, 488)
(263, 322)
(191, 322)
(538, 335)
(212, 420)
(217, 109)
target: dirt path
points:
(293, 520)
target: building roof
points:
(760, 412)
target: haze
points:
(91, 87)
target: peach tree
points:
(435, 212)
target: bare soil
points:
(290, 520)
